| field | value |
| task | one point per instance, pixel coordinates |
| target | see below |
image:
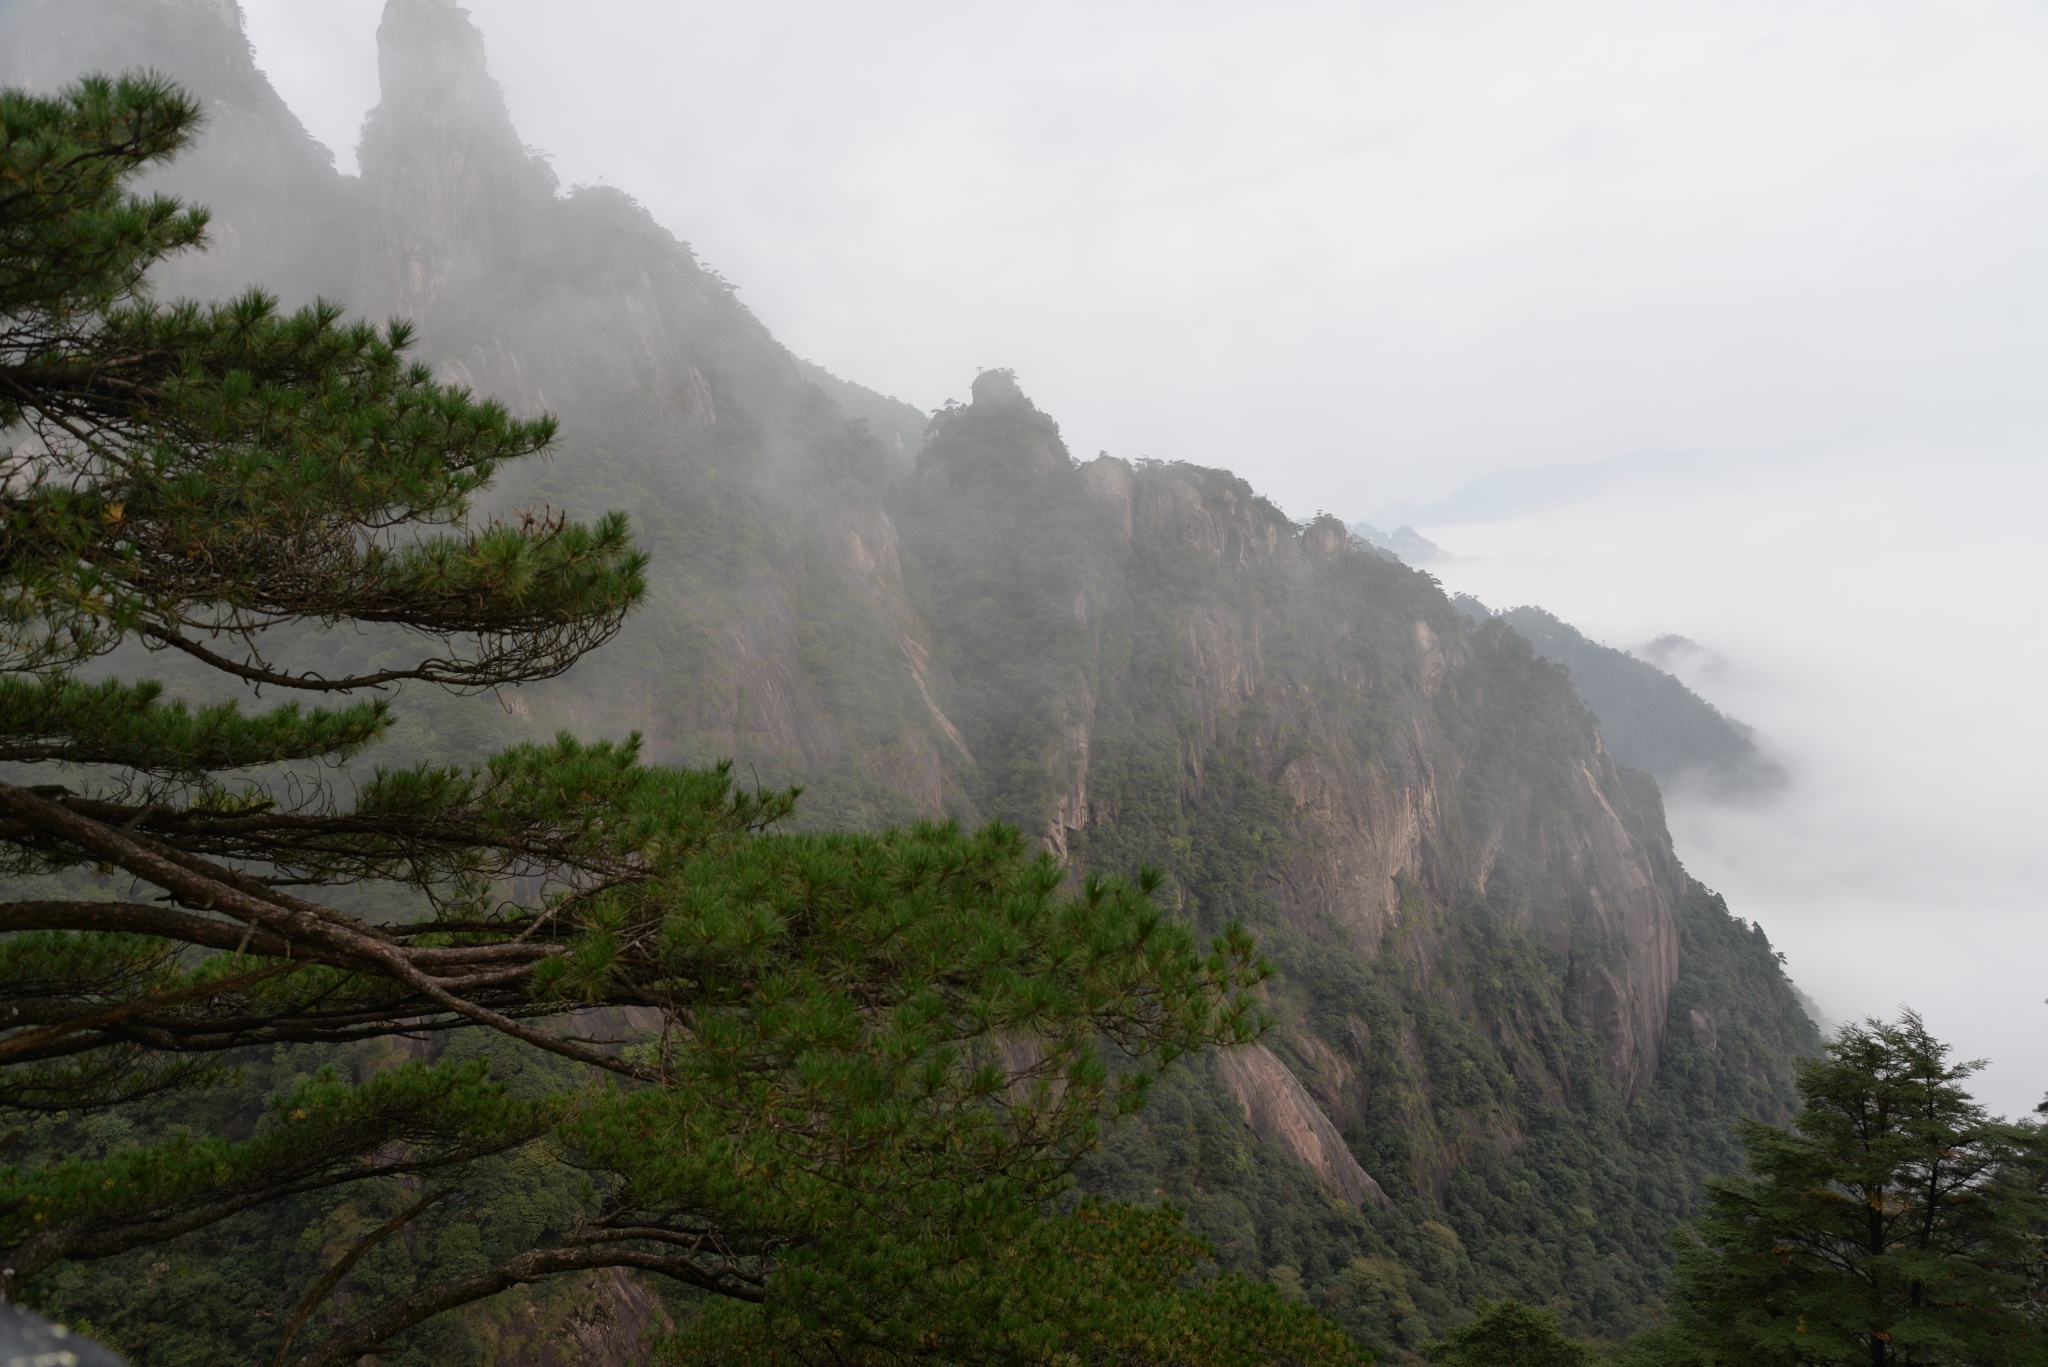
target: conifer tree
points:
(1894, 1224)
(854, 1070)
(1509, 1334)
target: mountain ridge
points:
(1490, 957)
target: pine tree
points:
(1895, 1223)
(1509, 1334)
(855, 1069)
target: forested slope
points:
(1649, 719)
(1511, 1033)
(1525, 1021)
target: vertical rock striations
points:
(1151, 645)
(452, 196)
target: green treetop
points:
(1509, 1334)
(1895, 1223)
(191, 475)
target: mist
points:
(1361, 255)
(1874, 615)
(1356, 253)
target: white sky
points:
(1358, 252)
(1362, 252)
(1879, 622)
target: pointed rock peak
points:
(454, 191)
(429, 53)
(998, 389)
(1326, 537)
(1000, 433)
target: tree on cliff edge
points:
(872, 1061)
(1895, 1224)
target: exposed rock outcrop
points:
(452, 194)
(592, 1319)
(1279, 1108)
(1165, 596)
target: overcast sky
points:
(1362, 252)
(1357, 251)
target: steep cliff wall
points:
(1185, 641)
(777, 633)
(1478, 916)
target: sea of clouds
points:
(1876, 615)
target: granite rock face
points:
(1279, 1108)
(1274, 651)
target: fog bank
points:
(1356, 253)
(1876, 616)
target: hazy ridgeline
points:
(1648, 719)
(1512, 1033)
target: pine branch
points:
(344, 1264)
(215, 889)
(354, 1340)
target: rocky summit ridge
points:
(1511, 1032)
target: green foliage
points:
(1895, 1223)
(190, 471)
(894, 1059)
(1663, 1346)
(1509, 1334)
(73, 241)
(222, 1292)
(62, 720)
(914, 1019)
(1648, 719)
(1096, 1284)
(321, 1133)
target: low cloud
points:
(1876, 617)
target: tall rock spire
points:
(450, 188)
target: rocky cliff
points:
(777, 631)
(1188, 646)
(1498, 987)
(1475, 1085)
